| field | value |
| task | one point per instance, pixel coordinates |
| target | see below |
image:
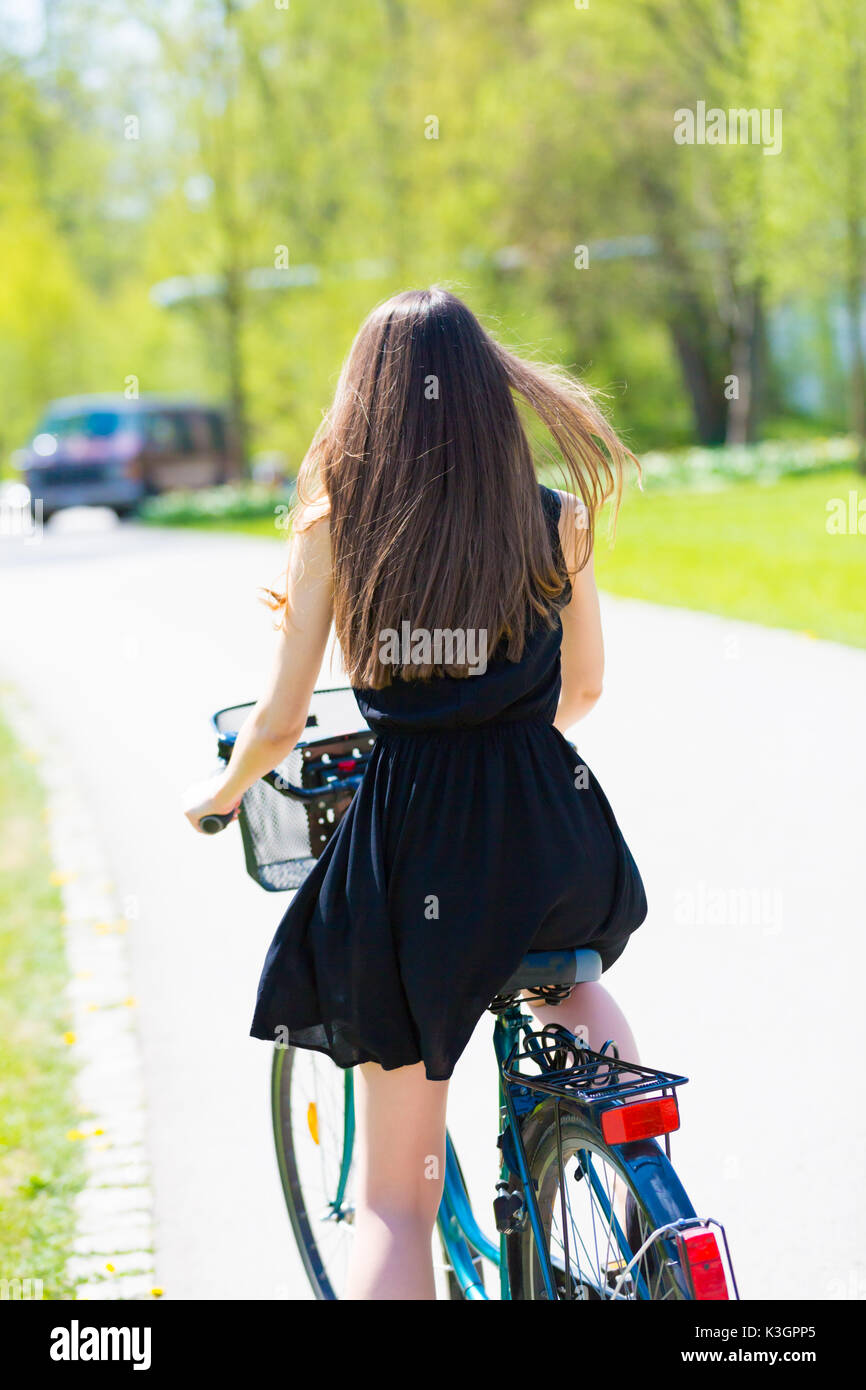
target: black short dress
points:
(476, 835)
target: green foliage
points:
(304, 132)
(710, 469)
(243, 501)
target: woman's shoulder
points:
(308, 512)
(568, 511)
(567, 518)
(311, 537)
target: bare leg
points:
(400, 1149)
(592, 1009)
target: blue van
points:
(109, 451)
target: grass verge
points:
(40, 1167)
(759, 552)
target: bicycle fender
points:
(656, 1179)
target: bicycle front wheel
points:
(597, 1207)
(313, 1118)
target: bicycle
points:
(588, 1205)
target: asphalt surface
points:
(735, 759)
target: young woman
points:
(476, 834)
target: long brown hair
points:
(428, 475)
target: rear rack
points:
(571, 1070)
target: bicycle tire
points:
(308, 1249)
(655, 1196)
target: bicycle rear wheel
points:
(598, 1216)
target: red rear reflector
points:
(640, 1120)
(705, 1262)
(347, 765)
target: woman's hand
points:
(208, 799)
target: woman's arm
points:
(582, 645)
(277, 721)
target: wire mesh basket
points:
(288, 817)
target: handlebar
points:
(214, 823)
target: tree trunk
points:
(858, 368)
(234, 305)
(692, 322)
(226, 202)
(702, 379)
(740, 404)
(854, 278)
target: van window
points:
(217, 430)
(183, 427)
(200, 431)
(101, 423)
(160, 432)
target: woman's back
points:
(501, 690)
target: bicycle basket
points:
(284, 833)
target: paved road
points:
(735, 758)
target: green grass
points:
(246, 526)
(40, 1167)
(759, 552)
